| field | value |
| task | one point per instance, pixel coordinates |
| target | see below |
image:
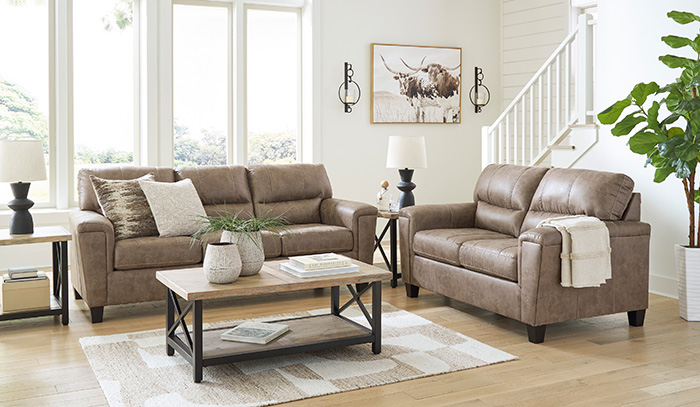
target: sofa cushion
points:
(315, 238)
(292, 190)
(564, 191)
(176, 207)
(503, 194)
(444, 244)
(495, 257)
(87, 200)
(221, 188)
(150, 252)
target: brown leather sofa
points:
(109, 272)
(490, 254)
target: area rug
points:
(133, 369)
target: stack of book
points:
(255, 332)
(318, 265)
(23, 273)
(24, 288)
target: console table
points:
(59, 238)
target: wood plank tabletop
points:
(388, 215)
(191, 285)
(42, 234)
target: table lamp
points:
(21, 161)
(406, 153)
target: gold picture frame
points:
(416, 84)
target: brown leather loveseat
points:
(109, 272)
(490, 254)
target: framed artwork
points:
(416, 84)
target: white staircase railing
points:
(539, 117)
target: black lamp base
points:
(21, 222)
(406, 187)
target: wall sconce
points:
(349, 91)
(479, 94)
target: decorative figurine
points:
(384, 196)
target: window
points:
(201, 55)
(103, 83)
(273, 85)
(24, 84)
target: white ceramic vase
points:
(222, 263)
(250, 247)
(688, 268)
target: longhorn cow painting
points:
(416, 84)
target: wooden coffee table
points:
(205, 348)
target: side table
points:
(59, 238)
(392, 227)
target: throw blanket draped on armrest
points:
(585, 250)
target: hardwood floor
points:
(592, 362)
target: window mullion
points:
(63, 117)
(239, 102)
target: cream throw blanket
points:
(585, 250)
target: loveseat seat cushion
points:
(503, 194)
(444, 244)
(149, 252)
(315, 238)
(495, 257)
(570, 191)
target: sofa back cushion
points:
(87, 200)
(221, 188)
(503, 194)
(562, 191)
(292, 190)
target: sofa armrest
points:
(92, 255)
(421, 217)
(360, 218)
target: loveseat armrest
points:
(422, 217)
(92, 255)
(360, 218)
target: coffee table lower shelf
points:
(306, 334)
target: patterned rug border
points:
(115, 401)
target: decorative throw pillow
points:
(175, 205)
(125, 205)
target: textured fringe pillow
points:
(125, 205)
(176, 206)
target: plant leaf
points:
(662, 173)
(682, 17)
(641, 91)
(697, 196)
(653, 117)
(674, 41)
(645, 142)
(673, 61)
(626, 125)
(612, 113)
(670, 119)
(687, 151)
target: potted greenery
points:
(245, 230)
(671, 145)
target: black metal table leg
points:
(377, 316)
(169, 322)
(335, 300)
(394, 262)
(64, 281)
(197, 341)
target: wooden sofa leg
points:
(636, 318)
(536, 333)
(77, 294)
(412, 290)
(96, 314)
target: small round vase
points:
(250, 248)
(222, 263)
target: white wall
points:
(353, 150)
(629, 43)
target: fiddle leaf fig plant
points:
(671, 144)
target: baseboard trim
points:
(661, 285)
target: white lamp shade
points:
(406, 152)
(22, 160)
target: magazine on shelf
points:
(22, 272)
(301, 273)
(40, 276)
(320, 261)
(255, 332)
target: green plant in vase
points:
(671, 144)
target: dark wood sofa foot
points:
(636, 318)
(96, 314)
(412, 290)
(77, 294)
(536, 333)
